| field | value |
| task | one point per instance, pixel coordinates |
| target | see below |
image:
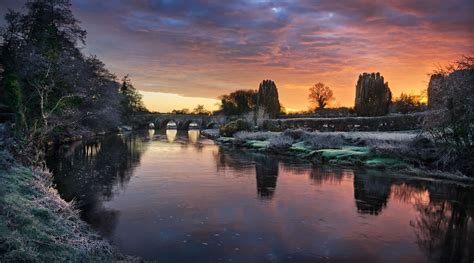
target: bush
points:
(407, 103)
(295, 134)
(280, 143)
(452, 126)
(319, 140)
(232, 127)
(257, 136)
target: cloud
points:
(207, 48)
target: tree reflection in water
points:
(444, 226)
(443, 213)
(266, 170)
(371, 193)
(87, 173)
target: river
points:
(177, 197)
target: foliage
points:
(200, 110)
(464, 63)
(267, 98)
(256, 136)
(182, 111)
(320, 95)
(452, 127)
(319, 140)
(238, 102)
(373, 96)
(407, 103)
(280, 143)
(132, 100)
(235, 126)
(49, 83)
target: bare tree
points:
(320, 95)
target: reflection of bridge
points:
(182, 120)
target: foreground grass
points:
(36, 225)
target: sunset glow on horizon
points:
(183, 53)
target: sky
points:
(180, 53)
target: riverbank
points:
(407, 152)
(37, 225)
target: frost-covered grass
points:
(36, 225)
(257, 136)
(211, 133)
(280, 143)
(329, 140)
(320, 140)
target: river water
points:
(176, 197)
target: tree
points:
(182, 111)
(451, 125)
(407, 103)
(320, 95)
(200, 110)
(239, 102)
(132, 100)
(267, 98)
(373, 96)
(42, 61)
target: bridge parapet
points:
(182, 120)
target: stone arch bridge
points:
(182, 120)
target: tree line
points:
(241, 102)
(50, 84)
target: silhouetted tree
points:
(132, 100)
(320, 95)
(48, 82)
(201, 110)
(182, 111)
(407, 103)
(451, 125)
(373, 96)
(267, 98)
(239, 102)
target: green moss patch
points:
(257, 144)
(226, 139)
(301, 149)
(384, 162)
(345, 153)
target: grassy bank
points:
(407, 152)
(36, 225)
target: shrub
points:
(452, 126)
(234, 126)
(258, 136)
(295, 134)
(407, 103)
(319, 140)
(280, 143)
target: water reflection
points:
(88, 172)
(171, 134)
(266, 171)
(371, 193)
(193, 135)
(151, 134)
(180, 208)
(445, 228)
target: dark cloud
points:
(206, 48)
